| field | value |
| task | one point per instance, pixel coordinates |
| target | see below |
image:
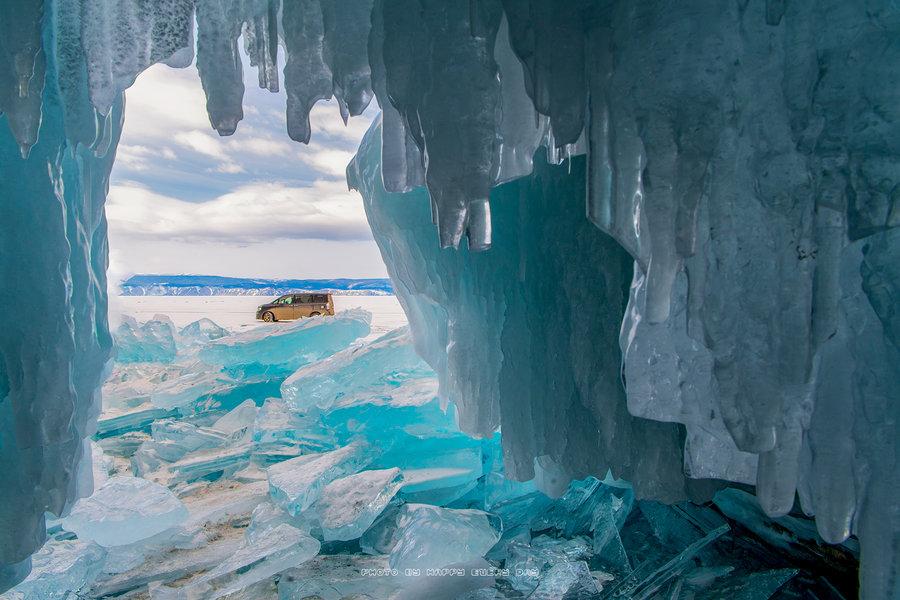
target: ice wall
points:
(744, 154)
(527, 336)
(54, 339)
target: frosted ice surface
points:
(101, 465)
(434, 537)
(125, 510)
(130, 385)
(348, 506)
(295, 484)
(225, 445)
(219, 461)
(192, 384)
(376, 368)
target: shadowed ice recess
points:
(692, 287)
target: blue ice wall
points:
(527, 336)
(54, 338)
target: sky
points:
(184, 200)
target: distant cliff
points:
(211, 285)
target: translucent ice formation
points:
(295, 484)
(432, 537)
(59, 569)
(376, 368)
(279, 433)
(349, 505)
(282, 548)
(293, 345)
(511, 361)
(201, 332)
(125, 510)
(519, 356)
(152, 341)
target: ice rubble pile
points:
(743, 154)
(354, 480)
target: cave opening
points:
(654, 245)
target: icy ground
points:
(312, 460)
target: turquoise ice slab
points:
(283, 347)
(296, 484)
(349, 505)
(356, 374)
(152, 341)
(433, 537)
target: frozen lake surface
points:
(238, 312)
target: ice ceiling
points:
(743, 154)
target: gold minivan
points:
(296, 306)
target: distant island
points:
(211, 285)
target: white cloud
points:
(227, 167)
(260, 146)
(202, 143)
(140, 158)
(253, 213)
(328, 161)
(163, 100)
(169, 153)
(325, 118)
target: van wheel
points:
(315, 314)
(268, 317)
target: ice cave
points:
(650, 257)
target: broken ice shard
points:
(288, 347)
(280, 433)
(60, 568)
(337, 577)
(566, 580)
(125, 510)
(376, 368)
(281, 548)
(530, 563)
(295, 484)
(152, 341)
(349, 505)
(200, 332)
